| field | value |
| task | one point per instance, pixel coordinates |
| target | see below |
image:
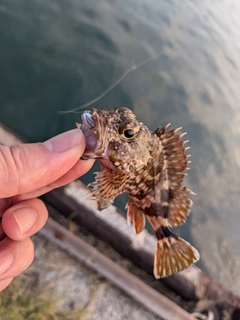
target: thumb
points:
(28, 167)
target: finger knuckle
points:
(10, 168)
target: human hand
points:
(26, 172)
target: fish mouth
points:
(87, 119)
(94, 128)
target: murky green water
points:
(56, 55)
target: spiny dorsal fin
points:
(176, 162)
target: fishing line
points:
(113, 85)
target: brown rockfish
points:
(149, 167)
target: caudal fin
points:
(172, 255)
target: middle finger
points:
(15, 256)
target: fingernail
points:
(25, 218)
(6, 260)
(64, 141)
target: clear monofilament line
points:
(113, 85)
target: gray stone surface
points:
(76, 285)
(110, 303)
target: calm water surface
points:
(56, 55)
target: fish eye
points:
(128, 133)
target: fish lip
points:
(88, 131)
(93, 125)
(87, 119)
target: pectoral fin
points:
(105, 188)
(103, 204)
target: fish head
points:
(116, 138)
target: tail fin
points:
(172, 255)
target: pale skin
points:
(26, 172)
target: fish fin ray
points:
(103, 204)
(136, 216)
(179, 204)
(106, 187)
(173, 254)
